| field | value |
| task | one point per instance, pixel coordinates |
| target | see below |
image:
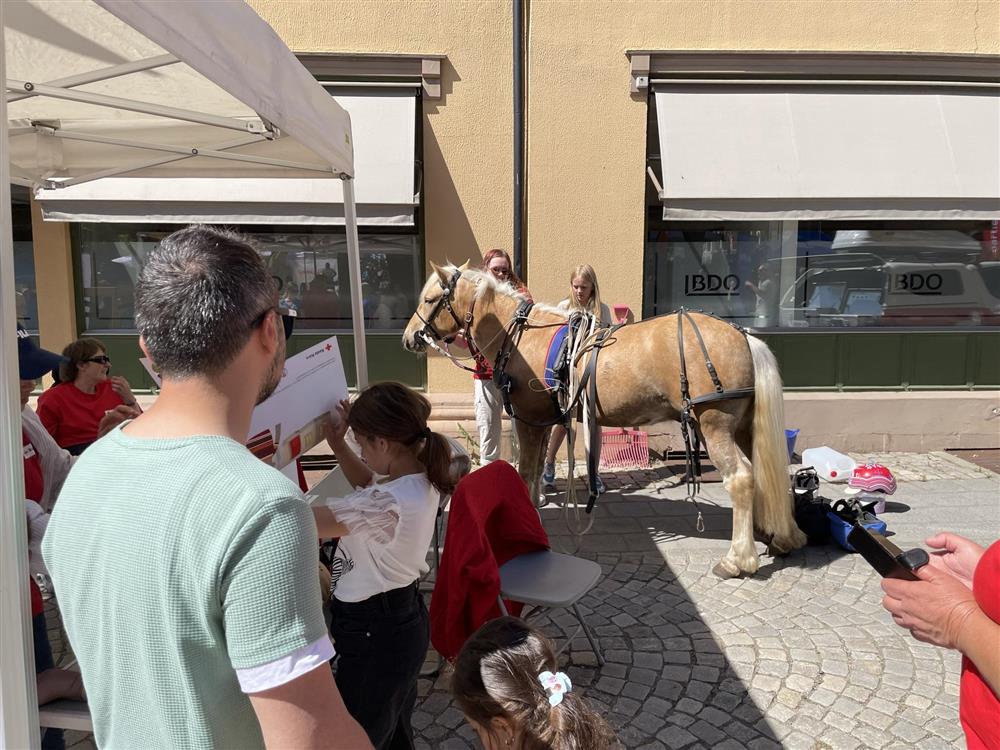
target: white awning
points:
(810, 152)
(384, 124)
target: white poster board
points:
(311, 386)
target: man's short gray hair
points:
(198, 297)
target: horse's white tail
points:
(771, 501)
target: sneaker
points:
(549, 475)
(601, 489)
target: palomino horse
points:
(638, 382)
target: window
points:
(25, 291)
(827, 274)
(309, 265)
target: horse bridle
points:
(431, 335)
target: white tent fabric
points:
(731, 152)
(384, 124)
(234, 70)
(106, 88)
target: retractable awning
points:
(126, 89)
(792, 151)
(384, 127)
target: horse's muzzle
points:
(414, 342)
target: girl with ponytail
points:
(508, 684)
(380, 626)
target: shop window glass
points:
(787, 274)
(309, 266)
(25, 289)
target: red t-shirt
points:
(34, 488)
(979, 706)
(72, 416)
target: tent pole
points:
(18, 698)
(354, 261)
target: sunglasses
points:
(287, 314)
(102, 360)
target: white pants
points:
(489, 409)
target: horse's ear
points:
(441, 273)
(464, 266)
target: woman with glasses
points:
(72, 409)
(487, 402)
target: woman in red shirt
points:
(956, 604)
(72, 409)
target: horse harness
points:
(561, 369)
(692, 440)
(588, 381)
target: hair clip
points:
(556, 685)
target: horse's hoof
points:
(781, 546)
(726, 571)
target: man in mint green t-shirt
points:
(185, 567)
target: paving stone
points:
(636, 690)
(648, 722)
(907, 731)
(611, 685)
(675, 737)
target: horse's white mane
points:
(487, 286)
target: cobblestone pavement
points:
(802, 655)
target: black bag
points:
(810, 508)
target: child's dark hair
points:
(496, 675)
(392, 411)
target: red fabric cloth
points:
(301, 475)
(484, 370)
(37, 605)
(491, 521)
(72, 416)
(34, 481)
(979, 706)
(34, 488)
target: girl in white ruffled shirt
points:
(380, 625)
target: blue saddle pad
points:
(553, 357)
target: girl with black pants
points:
(380, 626)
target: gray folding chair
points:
(549, 580)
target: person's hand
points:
(120, 386)
(337, 428)
(956, 555)
(934, 609)
(459, 340)
(115, 417)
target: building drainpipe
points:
(517, 247)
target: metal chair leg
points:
(590, 636)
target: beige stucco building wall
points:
(586, 140)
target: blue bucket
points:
(790, 436)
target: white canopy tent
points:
(143, 88)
